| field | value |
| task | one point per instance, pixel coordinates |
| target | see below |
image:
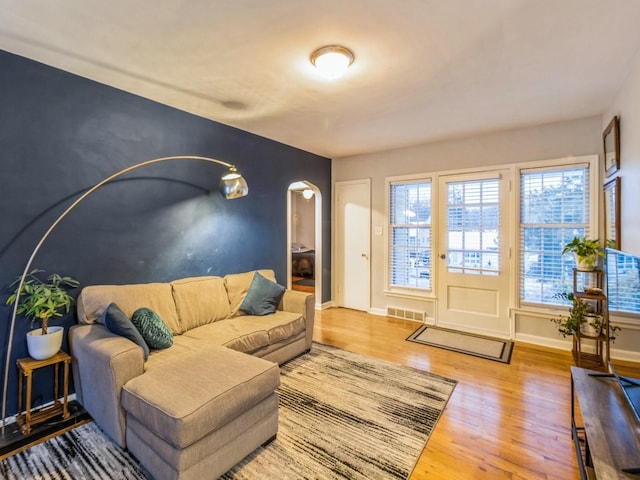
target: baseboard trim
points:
(544, 341)
(567, 345)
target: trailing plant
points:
(570, 324)
(43, 299)
(600, 323)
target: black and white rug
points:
(342, 415)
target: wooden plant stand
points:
(26, 367)
(600, 358)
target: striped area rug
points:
(342, 415)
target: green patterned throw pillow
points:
(154, 331)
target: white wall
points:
(627, 107)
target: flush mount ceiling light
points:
(332, 61)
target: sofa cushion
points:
(263, 296)
(94, 299)
(200, 300)
(279, 326)
(152, 328)
(250, 334)
(117, 322)
(237, 285)
(199, 392)
(237, 335)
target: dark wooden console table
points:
(609, 441)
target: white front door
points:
(473, 261)
(353, 244)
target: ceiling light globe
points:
(332, 61)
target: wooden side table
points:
(26, 367)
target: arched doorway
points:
(304, 238)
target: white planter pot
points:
(46, 346)
(589, 330)
(588, 263)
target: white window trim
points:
(594, 212)
(406, 292)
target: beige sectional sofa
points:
(195, 409)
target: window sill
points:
(416, 294)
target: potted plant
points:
(586, 251)
(582, 318)
(571, 324)
(43, 299)
(591, 325)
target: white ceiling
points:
(425, 70)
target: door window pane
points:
(473, 235)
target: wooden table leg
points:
(27, 422)
(65, 405)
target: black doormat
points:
(481, 346)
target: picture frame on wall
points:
(611, 197)
(611, 144)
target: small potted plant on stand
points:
(581, 318)
(43, 299)
(571, 324)
(592, 324)
(586, 251)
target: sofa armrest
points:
(304, 304)
(102, 363)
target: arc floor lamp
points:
(232, 185)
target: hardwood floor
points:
(301, 288)
(502, 421)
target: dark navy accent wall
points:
(60, 134)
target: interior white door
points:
(474, 250)
(353, 244)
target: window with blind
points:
(623, 282)
(410, 234)
(554, 208)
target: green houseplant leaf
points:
(570, 324)
(584, 247)
(43, 299)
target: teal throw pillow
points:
(154, 331)
(117, 322)
(263, 296)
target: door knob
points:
(363, 255)
(443, 256)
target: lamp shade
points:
(233, 185)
